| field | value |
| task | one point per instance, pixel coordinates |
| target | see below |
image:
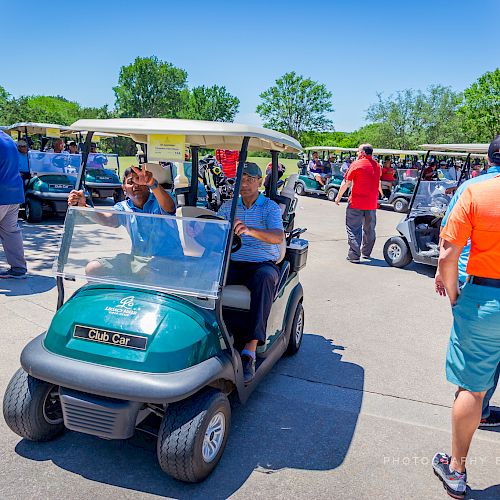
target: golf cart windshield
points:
(183, 256)
(101, 161)
(53, 163)
(407, 175)
(433, 196)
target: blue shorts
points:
(474, 349)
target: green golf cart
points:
(51, 176)
(307, 184)
(147, 336)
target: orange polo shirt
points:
(476, 215)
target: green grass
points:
(290, 165)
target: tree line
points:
(295, 105)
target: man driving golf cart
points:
(258, 222)
(317, 168)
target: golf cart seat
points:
(162, 174)
(238, 296)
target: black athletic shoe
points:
(492, 421)
(354, 261)
(248, 368)
(11, 274)
(455, 483)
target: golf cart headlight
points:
(39, 185)
(217, 170)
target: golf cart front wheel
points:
(331, 194)
(34, 210)
(400, 205)
(300, 189)
(32, 408)
(396, 252)
(297, 332)
(193, 435)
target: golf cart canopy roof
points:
(70, 132)
(330, 148)
(464, 148)
(198, 133)
(33, 128)
(410, 152)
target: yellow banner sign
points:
(96, 138)
(402, 157)
(53, 132)
(166, 147)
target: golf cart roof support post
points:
(234, 204)
(421, 174)
(193, 188)
(115, 147)
(85, 155)
(273, 188)
(465, 171)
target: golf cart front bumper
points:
(127, 385)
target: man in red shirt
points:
(363, 177)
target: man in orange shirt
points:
(363, 177)
(474, 348)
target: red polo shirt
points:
(365, 176)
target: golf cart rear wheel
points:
(396, 252)
(331, 194)
(297, 332)
(300, 189)
(400, 205)
(32, 408)
(193, 435)
(34, 210)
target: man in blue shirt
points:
(490, 417)
(146, 196)
(259, 224)
(11, 187)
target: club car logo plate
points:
(110, 337)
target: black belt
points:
(477, 280)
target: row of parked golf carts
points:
(406, 163)
(151, 345)
(418, 238)
(50, 176)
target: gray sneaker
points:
(11, 274)
(455, 483)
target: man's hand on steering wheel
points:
(144, 177)
(240, 228)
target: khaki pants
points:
(12, 238)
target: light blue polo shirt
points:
(493, 171)
(263, 214)
(143, 231)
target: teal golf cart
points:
(146, 338)
(307, 184)
(50, 176)
(102, 170)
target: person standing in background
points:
(363, 177)
(12, 195)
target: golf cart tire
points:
(404, 257)
(400, 205)
(331, 194)
(297, 333)
(300, 189)
(182, 433)
(24, 408)
(34, 210)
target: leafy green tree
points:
(481, 107)
(149, 87)
(295, 105)
(209, 103)
(308, 139)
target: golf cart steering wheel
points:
(236, 245)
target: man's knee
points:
(265, 276)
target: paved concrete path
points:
(358, 413)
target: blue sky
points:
(357, 48)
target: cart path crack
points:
(339, 386)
